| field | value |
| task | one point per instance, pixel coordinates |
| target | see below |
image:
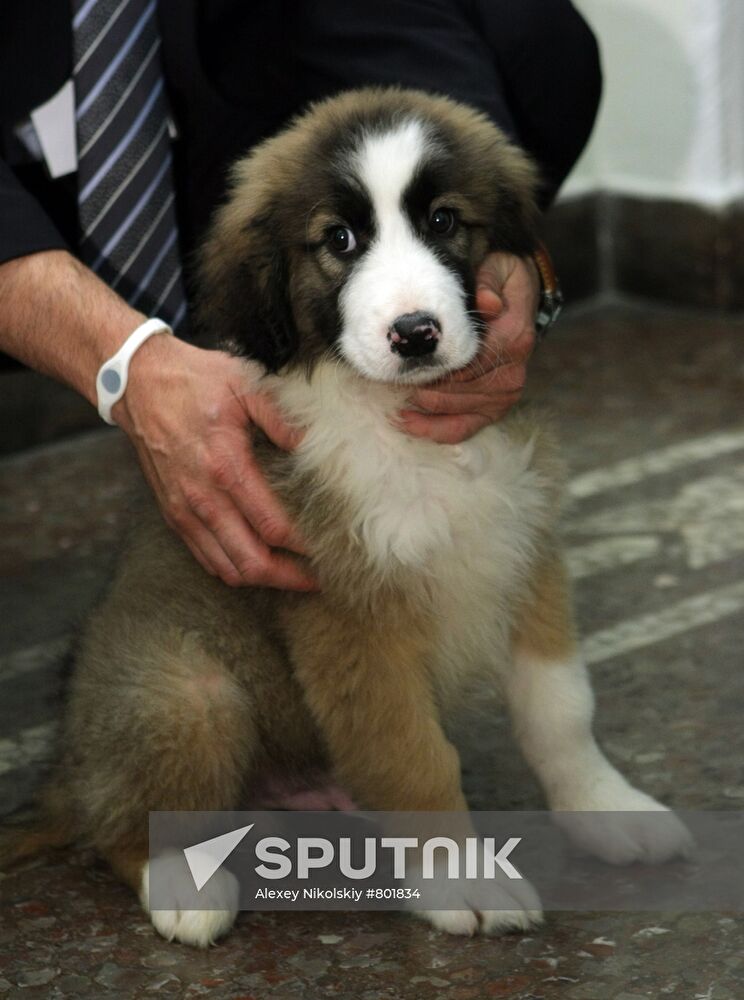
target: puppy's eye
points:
(342, 239)
(443, 221)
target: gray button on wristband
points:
(113, 375)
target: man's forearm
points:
(57, 317)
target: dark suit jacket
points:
(235, 71)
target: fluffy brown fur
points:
(186, 694)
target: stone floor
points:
(651, 407)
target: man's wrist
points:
(149, 370)
(113, 375)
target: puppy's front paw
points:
(199, 928)
(518, 909)
(620, 824)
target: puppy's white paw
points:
(521, 910)
(620, 824)
(199, 928)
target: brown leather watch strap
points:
(551, 299)
(544, 262)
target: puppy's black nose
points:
(414, 335)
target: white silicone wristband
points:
(113, 375)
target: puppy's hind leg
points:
(551, 704)
(199, 928)
(171, 730)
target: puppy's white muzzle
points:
(400, 285)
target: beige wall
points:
(672, 117)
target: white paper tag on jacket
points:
(54, 122)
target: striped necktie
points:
(125, 184)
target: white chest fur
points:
(464, 515)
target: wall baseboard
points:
(666, 251)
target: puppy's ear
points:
(514, 220)
(243, 300)
(502, 180)
(514, 225)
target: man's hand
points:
(188, 412)
(455, 408)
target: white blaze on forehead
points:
(387, 162)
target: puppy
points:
(344, 262)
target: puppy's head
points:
(357, 233)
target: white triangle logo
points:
(204, 859)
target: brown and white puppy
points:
(344, 261)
